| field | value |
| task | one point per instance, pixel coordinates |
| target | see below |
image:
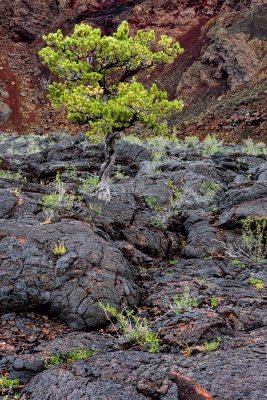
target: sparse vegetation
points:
(177, 193)
(74, 355)
(211, 145)
(184, 302)
(55, 201)
(157, 145)
(213, 345)
(254, 237)
(132, 328)
(252, 246)
(12, 176)
(55, 359)
(209, 189)
(59, 200)
(191, 140)
(14, 396)
(258, 284)
(159, 223)
(119, 174)
(7, 383)
(7, 387)
(153, 203)
(59, 250)
(95, 208)
(133, 139)
(89, 184)
(78, 354)
(254, 149)
(238, 263)
(214, 302)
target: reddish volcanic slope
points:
(221, 77)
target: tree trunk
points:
(102, 190)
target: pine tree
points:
(97, 84)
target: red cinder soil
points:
(207, 77)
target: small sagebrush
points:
(184, 302)
(132, 328)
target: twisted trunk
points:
(102, 190)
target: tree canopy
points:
(97, 83)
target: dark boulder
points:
(69, 286)
(107, 376)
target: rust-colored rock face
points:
(221, 77)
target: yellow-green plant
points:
(55, 359)
(254, 237)
(259, 284)
(94, 207)
(77, 353)
(213, 345)
(119, 174)
(59, 199)
(89, 183)
(133, 328)
(238, 263)
(59, 249)
(153, 203)
(209, 189)
(214, 302)
(211, 145)
(7, 387)
(97, 84)
(12, 176)
(251, 248)
(184, 302)
(254, 149)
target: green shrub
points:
(252, 245)
(211, 145)
(94, 207)
(259, 284)
(254, 149)
(59, 249)
(213, 345)
(7, 387)
(12, 176)
(75, 354)
(119, 174)
(184, 303)
(209, 189)
(133, 328)
(214, 302)
(152, 202)
(159, 223)
(89, 183)
(254, 237)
